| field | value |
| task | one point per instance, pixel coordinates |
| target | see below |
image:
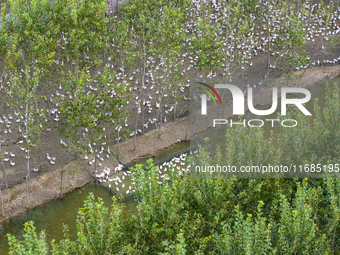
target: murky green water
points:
(53, 215)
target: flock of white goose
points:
(123, 183)
(153, 98)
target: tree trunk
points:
(142, 108)
(3, 169)
(175, 111)
(95, 163)
(118, 145)
(157, 129)
(26, 192)
(160, 120)
(4, 173)
(28, 157)
(268, 62)
(134, 136)
(154, 144)
(141, 79)
(2, 204)
(142, 115)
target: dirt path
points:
(46, 186)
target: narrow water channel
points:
(53, 215)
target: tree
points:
(141, 19)
(22, 88)
(91, 105)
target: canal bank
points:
(77, 173)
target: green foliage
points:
(199, 216)
(181, 214)
(32, 244)
(312, 140)
(93, 103)
(70, 46)
(247, 236)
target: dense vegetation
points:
(187, 215)
(96, 77)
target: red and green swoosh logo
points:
(209, 93)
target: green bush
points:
(202, 216)
(187, 215)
